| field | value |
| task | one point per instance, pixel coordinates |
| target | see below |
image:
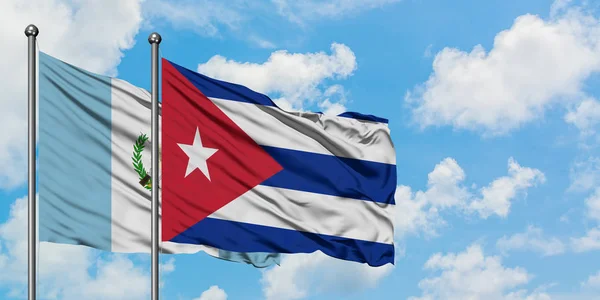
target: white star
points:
(197, 155)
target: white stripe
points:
(315, 213)
(310, 132)
(131, 203)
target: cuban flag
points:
(94, 153)
(241, 174)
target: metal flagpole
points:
(154, 39)
(31, 32)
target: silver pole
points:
(154, 39)
(31, 32)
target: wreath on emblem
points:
(138, 165)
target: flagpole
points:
(154, 39)
(31, 32)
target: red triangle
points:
(238, 166)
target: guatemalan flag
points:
(94, 153)
(241, 174)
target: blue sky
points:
(493, 109)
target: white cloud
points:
(201, 16)
(165, 268)
(301, 275)
(592, 282)
(261, 42)
(585, 175)
(524, 295)
(65, 271)
(335, 100)
(586, 116)
(68, 30)
(427, 53)
(533, 240)
(335, 108)
(420, 211)
(496, 197)
(589, 242)
(559, 6)
(444, 189)
(533, 65)
(213, 293)
(168, 266)
(294, 77)
(215, 18)
(126, 281)
(592, 204)
(301, 11)
(472, 275)
(414, 215)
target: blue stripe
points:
(74, 155)
(359, 116)
(244, 237)
(332, 175)
(214, 88)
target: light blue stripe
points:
(74, 155)
(257, 259)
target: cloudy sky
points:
(494, 111)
